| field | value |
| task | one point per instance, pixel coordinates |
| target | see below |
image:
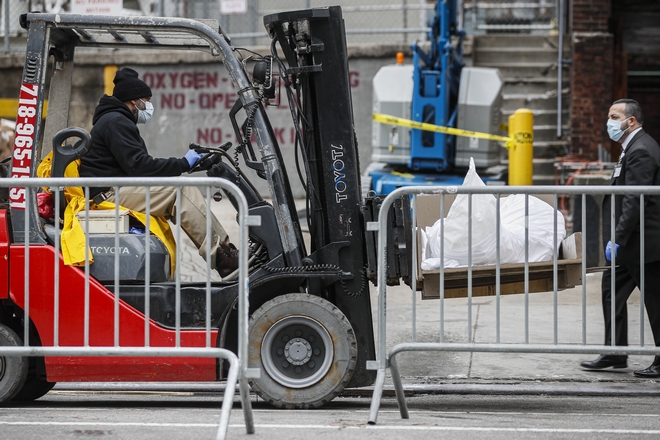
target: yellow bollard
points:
(521, 129)
(108, 77)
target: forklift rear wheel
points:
(13, 369)
(34, 388)
(306, 350)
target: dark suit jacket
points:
(640, 165)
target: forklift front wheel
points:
(306, 350)
(13, 369)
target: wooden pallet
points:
(512, 279)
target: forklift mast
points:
(314, 45)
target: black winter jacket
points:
(118, 150)
(639, 165)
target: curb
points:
(646, 388)
(636, 388)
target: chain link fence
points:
(367, 21)
(10, 11)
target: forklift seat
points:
(132, 247)
(63, 155)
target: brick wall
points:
(591, 76)
(591, 15)
(591, 88)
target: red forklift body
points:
(101, 327)
(4, 255)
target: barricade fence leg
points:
(377, 395)
(398, 387)
(228, 398)
(246, 404)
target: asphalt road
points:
(194, 415)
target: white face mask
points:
(614, 129)
(146, 114)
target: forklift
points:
(311, 331)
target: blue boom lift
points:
(436, 89)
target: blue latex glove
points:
(192, 157)
(608, 251)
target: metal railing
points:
(387, 355)
(178, 341)
(502, 16)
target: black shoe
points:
(226, 259)
(606, 361)
(650, 372)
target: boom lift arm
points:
(436, 77)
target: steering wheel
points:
(211, 156)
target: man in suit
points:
(639, 164)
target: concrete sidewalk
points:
(453, 369)
(475, 371)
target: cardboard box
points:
(512, 276)
(103, 221)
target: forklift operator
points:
(118, 150)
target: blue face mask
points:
(145, 115)
(614, 129)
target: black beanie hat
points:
(128, 86)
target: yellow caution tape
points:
(393, 120)
(400, 174)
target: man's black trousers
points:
(627, 278)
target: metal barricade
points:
(387, 355)
(176, 341)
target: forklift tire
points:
(305, 348)
(13, 369)
(33, 389)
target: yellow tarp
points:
(73, 236)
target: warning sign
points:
(233, 6)
(97, 7)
